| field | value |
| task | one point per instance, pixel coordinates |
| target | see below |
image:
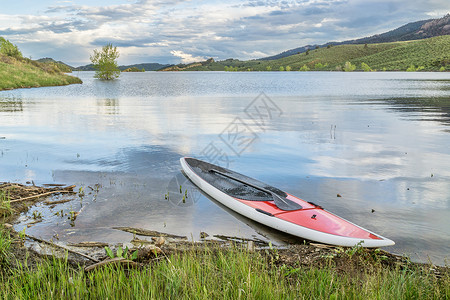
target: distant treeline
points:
(431, 54)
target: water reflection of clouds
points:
(381, 154)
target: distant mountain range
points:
(411, 31)
(145, 66)
(90, 67)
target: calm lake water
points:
(380, 140)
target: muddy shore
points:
(152, 245)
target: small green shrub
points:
(9, 49)
(365, 67)
(231, 69)
(304, 68)
(411, 68)
(319, 66)
(348, 67)
(123, 253)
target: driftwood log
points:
(68, 189)
(145, 232)
(61, 247)
(113, 261)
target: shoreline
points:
(24, 197)
(39, 86)
(19, 72)
(78, 81)
(172, 266)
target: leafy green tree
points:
(281, 68)
(348, 67)
(288, 68)
(105, 62)
(411, 68)
(319, 66)
(304, 68)
(442, 69)
(9, 49)
(268, 68)
(365, 67)
(231, 69)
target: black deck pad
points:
(233, 187)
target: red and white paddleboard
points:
(274, 208)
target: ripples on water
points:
(381, 140)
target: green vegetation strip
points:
(17, 71)
(431, 54)
(21, 73)
(217, 274)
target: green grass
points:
(5, 244)
(24, 73)
(218, 274)
(432, 54)
(5, 205)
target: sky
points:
(177, 31)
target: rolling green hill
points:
(62, 66)
(431, 54)
(25, 73)
(411, 31)
(17, 71)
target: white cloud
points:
(255, 54)
(187, 58)
(173, 31)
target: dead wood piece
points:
(251, 246)
(159, 241)
(70, 188)
(324, 246)
(62, 247)
(89, 244)
(35, 221)
(10, 186)
(148, 251)
(114, 261)
(48, 202)
(145, 232)
(139, 242)
(239, 239)
(40, 195)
